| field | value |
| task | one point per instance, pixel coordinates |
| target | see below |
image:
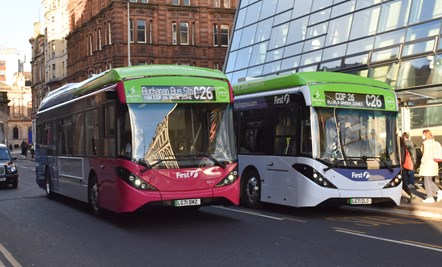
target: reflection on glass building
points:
(398, 42)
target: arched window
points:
(15, 133)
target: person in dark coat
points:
(24, 149)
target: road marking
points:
(293, 219)
(407, 243)
(261, 215)
(348, 230)
(250, 213)
(422, 244)
(9, 257)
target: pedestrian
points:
(407, 164)
(412, 151)
(429, 168)
(32, 150)
(24, 149)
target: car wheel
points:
(48, 185)
(251, 189)
(94, 197)
(15, 184)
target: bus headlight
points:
(395, 182)
(135, 181)
(229, 179)
(313, 175)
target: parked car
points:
(8, 170)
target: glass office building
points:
(395, 41)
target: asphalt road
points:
(36, 231)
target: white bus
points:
(307, 139)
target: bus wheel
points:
(48, 185)
(94, 196)
(251, 190)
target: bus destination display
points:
(355, 100)
(176, 93)
(152, 94)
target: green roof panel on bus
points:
(327, 89)
(207, 85)
(302, 78)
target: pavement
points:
(414, 207)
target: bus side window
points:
(285, 133)
(306, 139)
(124, 133)
(91, 134)
(109, 148)
(252, 132)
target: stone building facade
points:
(185, 32)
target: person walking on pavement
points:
(429, 168)
(24, 149)
(405, 163)
(409, 174)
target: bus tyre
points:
(48, 185)
(94, 197)
(251, 190)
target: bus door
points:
(280, 183)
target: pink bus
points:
(136, 136)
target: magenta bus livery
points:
(136, 136)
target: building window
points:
(15, 134)
(221, 3)
(109, 33)
(99, 39)
(184, 33)
(181, 2)
(423, 10)
(150, 31)
(220, 36)
(53, 71)
(174, 34)
(224, 35)
(131, 35)
(415, 72)
(141, 31)
(90, 45)
(215, 35)
(339, 30)
(393, 15)
(193, 33)
(53, 48)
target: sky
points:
(17, 19)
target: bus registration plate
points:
(187, 202)
(360, 201)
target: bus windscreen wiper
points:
(335, 164)
(214, 160)
(365, 158)
(147, 165)
(379, 159)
